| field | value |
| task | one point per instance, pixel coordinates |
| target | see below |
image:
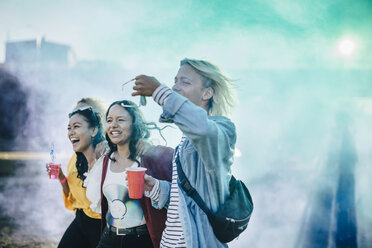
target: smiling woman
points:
(127, 222)
(85, 132)
(119, 125)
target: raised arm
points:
(213, 137)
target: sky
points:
(235, 34)
(292, 81)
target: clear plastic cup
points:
(53, 170)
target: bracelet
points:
(63, 180)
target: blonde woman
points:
(198, 104)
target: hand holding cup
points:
(53, 170)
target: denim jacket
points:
(206, 157)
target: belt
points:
(138, 230)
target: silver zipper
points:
(233, 220)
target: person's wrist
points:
(157, 85)
(153, 193)
(63, 180)
(156, 89)
(152, 183)
(149, 183)
(161, 94)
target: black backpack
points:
(233, 216)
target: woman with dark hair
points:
(85, 131)
(127, 222)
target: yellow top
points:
(77, 197)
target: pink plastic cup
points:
(136, 178)
(54, 170)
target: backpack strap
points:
(191, 191)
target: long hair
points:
(223, 99)
(94, 121)
(140, 130)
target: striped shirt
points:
(173, 233)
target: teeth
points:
(115, 133)
(74, 140)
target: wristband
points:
(63, 180)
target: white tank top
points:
(123, 212)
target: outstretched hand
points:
(145, 85)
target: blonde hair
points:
(96, 104)
(223, 99)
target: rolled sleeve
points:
(154, 193)
(163, 199)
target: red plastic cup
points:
(54, 170)
(136, 179)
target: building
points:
(37, 53)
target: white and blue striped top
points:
(173, 235)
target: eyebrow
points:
(76, 122)
(183, 77)
(119, 116)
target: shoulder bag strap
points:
(190, 191)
